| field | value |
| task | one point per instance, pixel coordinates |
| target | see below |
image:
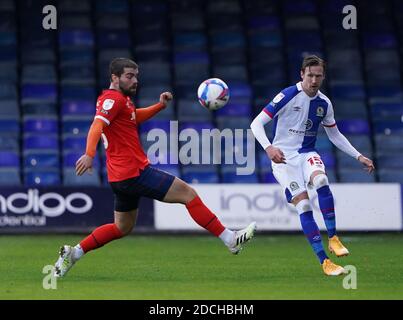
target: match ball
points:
(213, 94)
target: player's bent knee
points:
(320, 181)
(300, 197)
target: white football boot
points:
(242, 236)
(65, 261)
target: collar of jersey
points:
(299, 87)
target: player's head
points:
(123, 73)
(312, 74)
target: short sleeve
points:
(280, 101)
(328, 120)
(108, 107)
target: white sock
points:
(77, 252)
(227, 236)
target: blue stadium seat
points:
(73, 142)
(355, 176)
(70, 92)
(389, 143)
(76, 127)
(196, 125)
(40, 125)
(389, 126)
(9, 127)
(230, 176)
(113, 39)
(10, 177)
(191, 109)
(8, 91)
(42, 178)
(40, 160)
(263, 22)
(74, 108)
(76, 38)
(235, 109)
(9, 159)
(390, 160)
(70, 158)
(200, 174)
(9, 109)
(38, 93)
(146, 126)
(71, 179)
(353, 126)
(40, 141)
(10, 143)
(390, 175)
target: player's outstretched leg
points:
(68, 255)
(181, 192)
(326, 204)
(313, 236)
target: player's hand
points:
(275, 154)
(165, 97)
(369, 165)
(83, 164)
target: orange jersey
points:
(125, 156)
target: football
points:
(213, 94)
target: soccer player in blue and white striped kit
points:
(297, 112)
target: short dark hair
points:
(118, 65)
(313, 60)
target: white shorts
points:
(296, 173)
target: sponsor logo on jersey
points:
(297, 108)
(294, 186)
(278, 97)
(108, 104)
(320, 112)
(308, 124)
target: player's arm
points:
(94, 134)
(144, 114)
(257, 127)
(341, 142)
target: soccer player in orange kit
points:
(129, 172)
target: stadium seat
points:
(40, 160)
(42, 178)
(355, 176)
(9, 159)
(40, 141)
(10, 177)
(87, 179)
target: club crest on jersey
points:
(108, 104)
(294, 186)
(133, 116)
(320, 112)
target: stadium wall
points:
(360, 207)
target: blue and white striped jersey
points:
(297, 118)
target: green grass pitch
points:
(200, 267)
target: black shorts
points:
(151, 183)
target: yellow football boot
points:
(332, 269)
(336, 247)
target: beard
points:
(127, 91)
